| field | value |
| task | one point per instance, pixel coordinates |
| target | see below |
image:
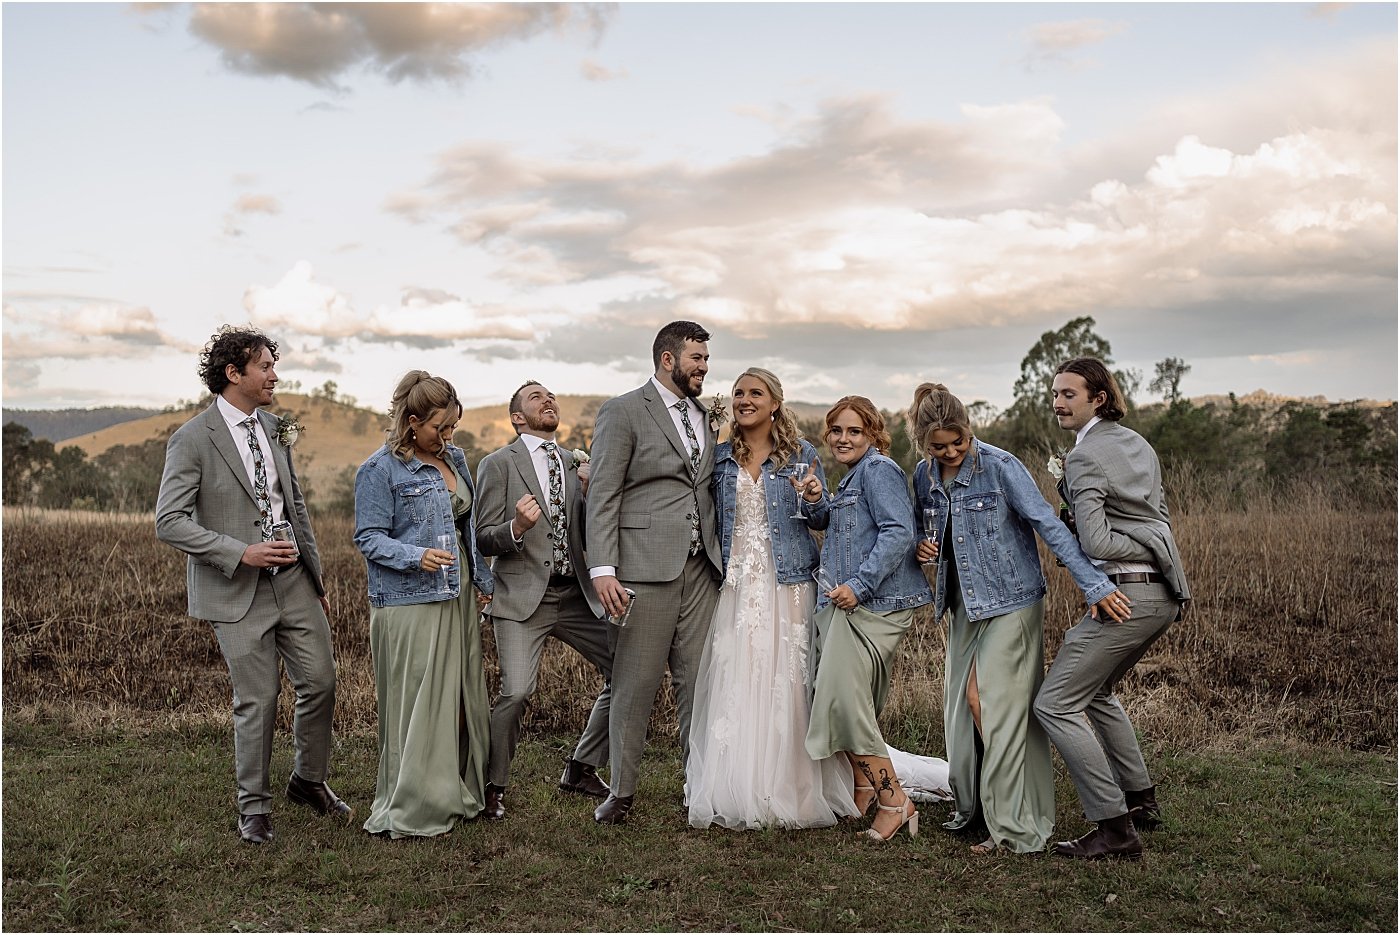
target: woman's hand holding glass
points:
(435, 560)
(805, 481)
(927, 550)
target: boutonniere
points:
(580, 456)
(288, 430)
(718, 413)
(1056, 466)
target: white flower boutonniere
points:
(1056, 466)
(288, 430)
(580, 456)
(718, 413)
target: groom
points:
(228, 484)
(651, 528)
(1113, 485)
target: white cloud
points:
(90, 331)
(245, 205)
(299, 304)
(319, 42)
(1055, 43)
(593, 71)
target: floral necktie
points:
(259, 479)
(683, 407)
(559, 533)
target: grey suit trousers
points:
(668, 627)
(1081, 714)
(285, 622)
(564, 614)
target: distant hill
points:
(60, 424)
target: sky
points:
(860, 197)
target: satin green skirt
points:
(854, 654)
(1012, 780)
(434, 716)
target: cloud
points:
(853, 215)
(1055, 43)
(299, 304)
(593, 71)
(101, 330)
(245, 205)
(318, 43)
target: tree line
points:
(1229, 455)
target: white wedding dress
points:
(748, 764)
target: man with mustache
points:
(651, 529)
(1113, 485)
(530, 518)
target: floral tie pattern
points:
(683, 407)
(559, 533)
(260, 481)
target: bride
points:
(748, 765)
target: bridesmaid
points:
(413, 500)
(868, 587)
(986, 510)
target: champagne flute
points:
(799, 471)
(931, 529)
(447, 542)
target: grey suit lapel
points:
(525, 467)
(280, 454)
(223, 443)
(662, 415)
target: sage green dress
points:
(434, 727)
(1014, 781)
(854, 654)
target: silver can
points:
(620, 620)
(282, 532)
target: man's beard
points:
(682, 381)
(541, 422)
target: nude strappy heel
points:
(911, 821)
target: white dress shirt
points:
(235, 417)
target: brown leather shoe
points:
(255, 829)
(318, 795)
(1143, 808)
(495, 808)
(614, 810)
(583, 779)
(1114, 839)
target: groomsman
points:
(1113, 485)
(651, 529)
(228, 485)
(530, 517)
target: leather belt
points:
(562, 581)
(1139, 577)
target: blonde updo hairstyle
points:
(787, 438)
(870, 418)
(936, 410)
(419, 394)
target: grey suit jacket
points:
(641, 493)
(522, 572)
(206, 509)
(1114, 482)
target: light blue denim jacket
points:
(400, 510)
(794, 547)
(870, 539)
(996, 506)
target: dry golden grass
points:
(1292, 635)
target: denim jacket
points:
(400, 511)
(870, 539)
(794, 547)
(995, 505)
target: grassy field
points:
(117, 829)
(1268, 718)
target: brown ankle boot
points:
(1143, 807)
(1114, 838)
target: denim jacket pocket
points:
(416, 498)
(843, 507)
(982, 513)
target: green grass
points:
(127, 829)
